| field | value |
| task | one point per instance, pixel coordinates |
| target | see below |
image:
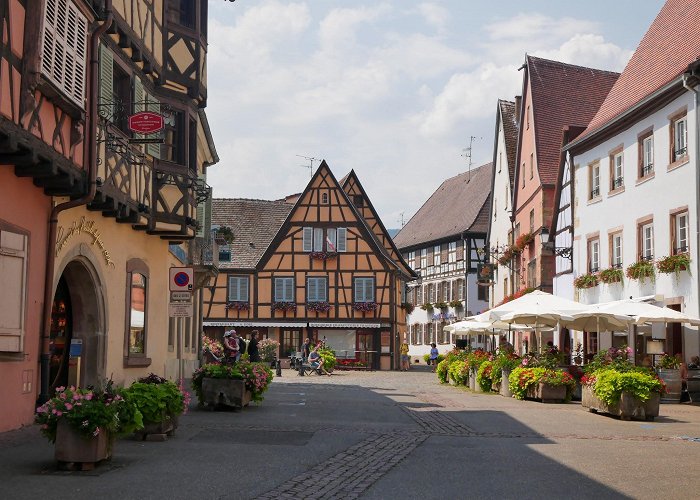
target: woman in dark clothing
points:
(253, 347)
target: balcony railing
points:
(647, 169)
(618, 182)
(595, 193)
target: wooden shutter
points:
(243, 289)
(342, 235)
(278, 289)
(369, 289)
(153, 105)
(13, 269)
(289, 289)
(311, 290)
(358, 290)
(318, 239)
(307, 245)
(106, 80)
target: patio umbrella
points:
(643, 312)
(537, 308)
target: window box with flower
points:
(441, 305)
(586, 281)
(323, 255)
(456, 304)
(408, 307)
(674, 264)
(610, 276)
(365, 307)
(238, 306)
(319, 307)
(284, 306)
(427, 306)
(641, 271)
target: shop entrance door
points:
(366, 351)
(61, 335)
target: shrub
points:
(156, 401)
(328, 357)
(459, 372)
(615, 358)
(483, 377)
(521, 379)
(608, 384)
(504, 359)
(268, 349)
(442, 370)
(475, 358)
(669, 362)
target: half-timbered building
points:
(445, 243)
(320, 267)
(85, 300)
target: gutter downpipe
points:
(91, 164)
(697, 167)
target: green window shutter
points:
(106, 78)
(153, 105)
(139, 95)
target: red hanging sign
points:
(145, 122)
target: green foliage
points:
(611, 275)
(586, 281)
(669, 362)
(475, 358)
(523, 378)
(328, 357)
(641, 271)
(608, 384)
(442, 370)
(441, 304)
(615, 358)
(505, 359)
(257, 377)
(674, 264)
(459, 372)
(213, 370)
(483, 377)
(156, 402)
(426, 358)
(89, 411)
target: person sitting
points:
(316, 361)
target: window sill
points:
(683, 160)
(615, 192)
(644, 179)
(595, 200)
(13, 356)
(136, 362)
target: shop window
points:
(284, 289)
(13, 263)
(238, 289)
(137, 313)
(64, 49)
(291, 342)
(364, 290)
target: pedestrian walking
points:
(253, 353)
(433, 355)
(403, 350)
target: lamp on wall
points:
(566, 252)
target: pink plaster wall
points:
(25, 206)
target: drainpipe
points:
(697, 167)
(91, 164)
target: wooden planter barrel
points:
(627, 408)
(73, 447)
(230, 393)
(672, 379)
(547, 393)
(505, 385)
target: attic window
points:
(358, 200)
(324, 198)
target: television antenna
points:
(310, 166)
(467, 153)
(401, 220)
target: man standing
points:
(306, 349)
(253, 353)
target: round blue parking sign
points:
(181, 279)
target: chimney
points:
(518, 103)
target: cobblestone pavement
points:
(380, 435)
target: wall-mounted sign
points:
(180, 309)
(145, 122)
(78, 227)
(181, 279)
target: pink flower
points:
(45, 426)
(62, 395)
(76, 397)
(59, 413)
(69, 406)
(88, 396)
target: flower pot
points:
(629, 407)
(672, 379)
(472, 379)
(505, 389)
(547, 393)
(225, 392)
(166, 426)
(73, 447)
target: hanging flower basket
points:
(609, 276)
(284, 306)
(674, 264)
(642, 270)
(408, 307)
(506, 256)
(323, 255)
(238, 306)
(441, 305)
(586, 281)
(318, 306)
(365, 306)
(524, 240)
(427, 306)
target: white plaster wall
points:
(658, 196)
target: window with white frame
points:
(679, 243)
(594, 181)
(679, 143)
(318, 239)
(647, 156)
(364, 290)
(646, 241)
(64, 48)
(428, 334)
(436, 255)
(452, 252)
(13, 262)
(411, 260)
(238, 289)
(316, 289)
(284, 289)
(424, 258)
(617, 171)
(593, 255)
(616, 251)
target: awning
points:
(345, 325)
(296, 324)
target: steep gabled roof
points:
(562, 95)
(254, 224)
(510, 131)
(668, 47)
(457, 206)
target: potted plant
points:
(483, 376)
(642, 270)
(586, 281)
(674, 264)
(668, 369)
(256, 377)
(427, 306)
(506, 256)
(238, 305)
(458, 372)
(504, 361)
(612, 275)
(441, 305)
(456, 304)
(160, 402)
(365, 307)
(408, 307)
(283, 306)
(83, 423)
(212, 349)
(628, 394)
(474, 361)
(218, 385)
(547, 385)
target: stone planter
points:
(158, 431)
(472, 380)
(496, 386)
(672, 379)
(73, 447)
(547, 393)
(627, 408)
(217, 392)
(505, 387)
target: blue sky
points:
(392, 89)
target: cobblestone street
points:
(380, 435)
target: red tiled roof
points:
(456, 206)
(562, 94)
(671, 43)
(510, 132)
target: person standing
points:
(253, 353)
(306, 349)
(241, 345)
(403, 350)
(231, 351)
(433, 355)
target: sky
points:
(392, 89)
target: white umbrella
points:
(537, 308)
(643, 312)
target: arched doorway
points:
(77, 328)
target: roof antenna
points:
(467, 153)
(401, 220)
(310, 166)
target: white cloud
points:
(338, 29)
(435, 15)
(589, 50)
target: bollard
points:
(279, 368)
